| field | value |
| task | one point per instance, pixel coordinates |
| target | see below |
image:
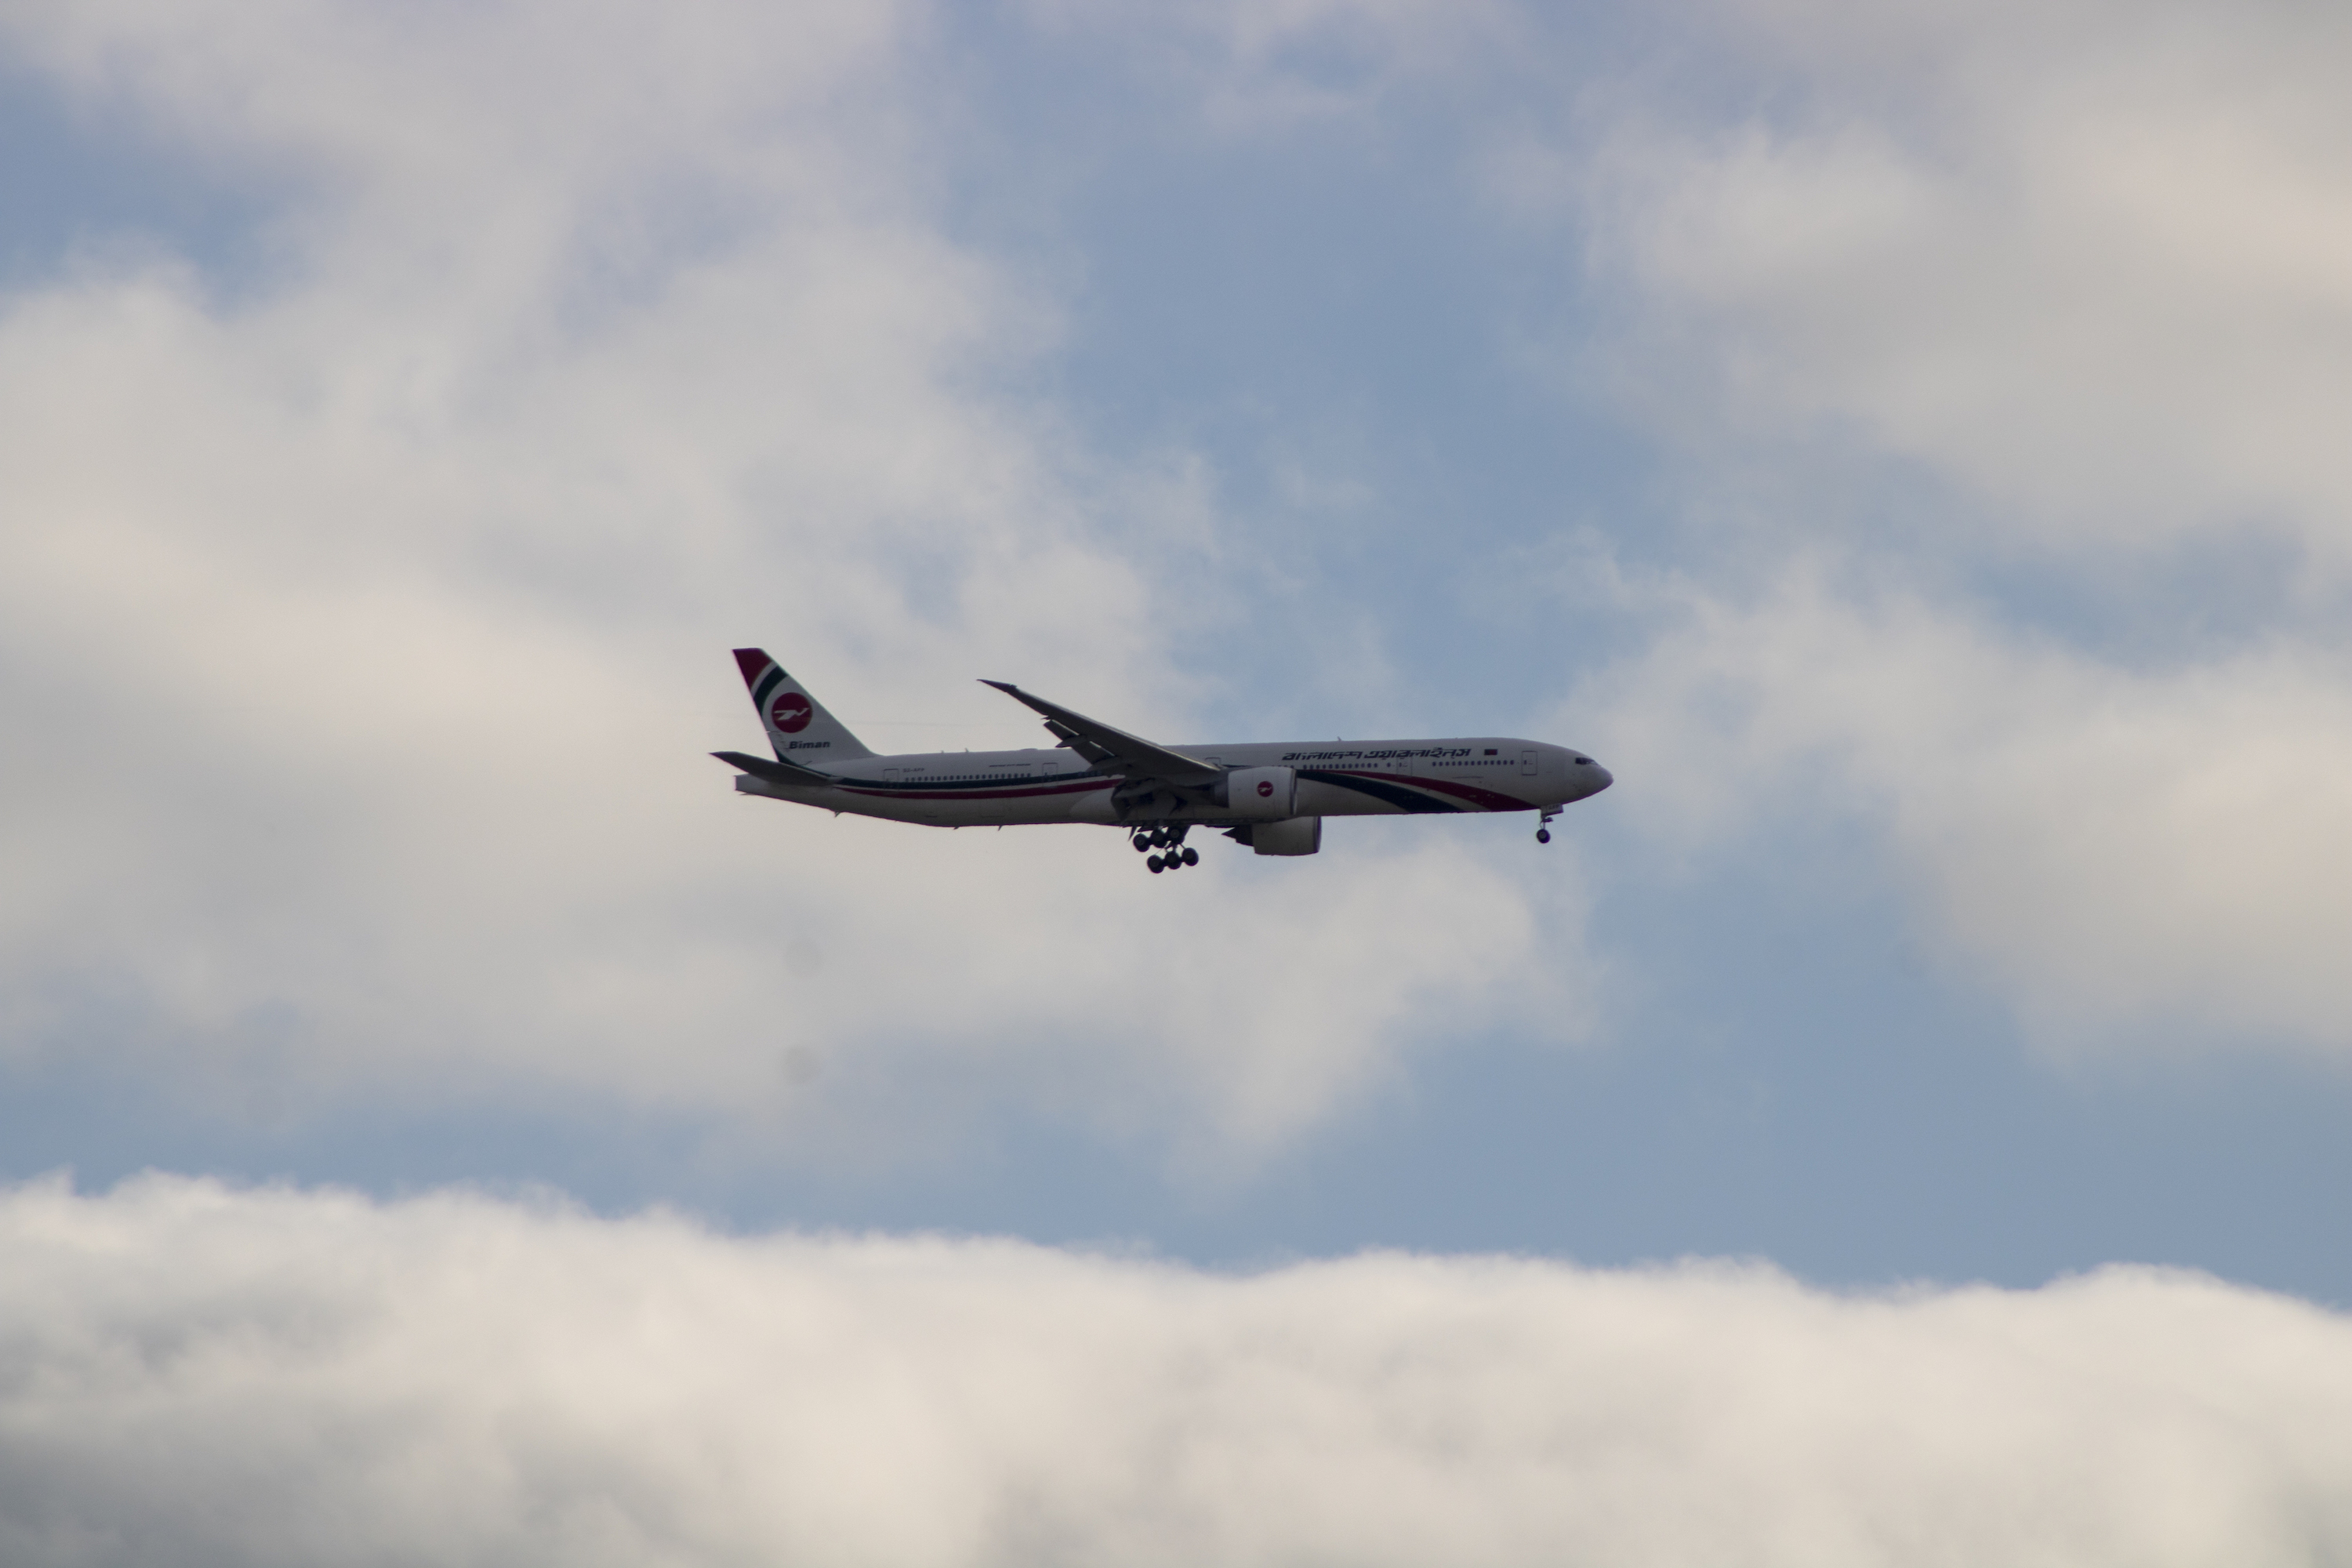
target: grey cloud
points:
(2085, 259)
(200, 1375)
(2133, 857)
(1265, 68)
(2002, 295)
(365, 633)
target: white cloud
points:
(363, 626)
(203, 1375)
(2156, 856)
(2092, 260)
(2057, 288)
(1254, 68)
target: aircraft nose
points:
(1596, 777)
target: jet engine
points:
(1295, 836)
(1266, 793)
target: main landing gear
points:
(1174, 854)
(1543, 825)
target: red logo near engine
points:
(1265, 786)
(791, 712)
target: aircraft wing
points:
(776, 772)
(1101, 745)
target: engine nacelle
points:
(1267, 794)
(1297, 836)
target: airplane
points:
(1270, 795)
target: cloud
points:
(2150, 856)
(1998, 350)
(1280, 65)
(2088, 261)
(259, 1377)
(362, 619)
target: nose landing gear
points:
(1543, 825)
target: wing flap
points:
(1100, 743)
(1077, 742)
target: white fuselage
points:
(1335, 778)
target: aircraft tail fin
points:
(799, 728)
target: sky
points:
(1902, 1119)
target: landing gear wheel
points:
(1543, 834)
(1141, 844)
(1157, 865)
(1191, 856)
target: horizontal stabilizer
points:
(789, 773)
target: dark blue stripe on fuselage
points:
(975, 789)
(1397, 796)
